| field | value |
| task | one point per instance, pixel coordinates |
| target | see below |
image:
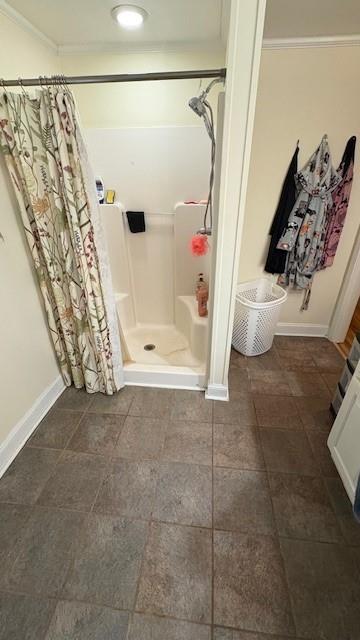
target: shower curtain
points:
(47, 162)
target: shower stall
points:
(162, 171)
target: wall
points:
(141, 103)
(28, 363)
(303, 93)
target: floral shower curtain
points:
(47, 162)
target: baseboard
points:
(301, 329)
(28, 423)
(217, 392)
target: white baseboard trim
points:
(22, 431)
(217, 392)
(301, 329)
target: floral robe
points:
(304, 235)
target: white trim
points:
(141, 47)
(243, 62)
(22, 431)
(301, 329)
(217, 392)
(348, 297)
(28, 26)
(312, 42)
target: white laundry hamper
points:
(257, 309)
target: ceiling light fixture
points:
(129, 16)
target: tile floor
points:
(158, 515)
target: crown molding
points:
(313, 42)
(21, 21)
(146, 47)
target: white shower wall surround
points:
(152, 168)
(154, 274)
(153, 277)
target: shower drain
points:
(149, 347)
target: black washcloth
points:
(136, 220)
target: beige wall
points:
(139, 104)
(27, 362)
(303, 93)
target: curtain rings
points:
(20, 82)
(2, 82)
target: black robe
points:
(276, 258)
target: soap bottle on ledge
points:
(199, 283)
(202, 297)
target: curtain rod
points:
(122, 77)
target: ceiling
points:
(309, 18)
(86, 25)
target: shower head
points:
(197, 105)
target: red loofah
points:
(199, 245)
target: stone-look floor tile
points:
(288, 452)
(296, 360)
(191, 406)
(277, 411)
(188, 442)
(152, 403)
(242, 501)
(238, 360)
(24, 617)
(237, 447)
(117, 403)
(343, 509)
(328, 361)
(331, 380)
(145, 627)
(75, 481)
(250, 590)
(304, 384)
(184, 494)
(315, 413)
(238, 380)
(141, 438)
(56, 429)
(317, 344)
(45, 551)
(297, 343)
(13, 519)
(74, 400)
(269, 383)
(232, 634)
(268, 361)
(239, 410)
(324, 588)
(97, 433)
(176, 573)
(107, 563)
(318, 443)
(80, 621)
(302, 508)
(27, 475)
(128, 489)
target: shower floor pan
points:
(167, 355)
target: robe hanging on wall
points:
(338, 211)
(47, 162)
(304, 236)
(276, 259)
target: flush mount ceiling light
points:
(129, 16)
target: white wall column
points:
(243, 61)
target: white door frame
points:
(347, 298)
(243, 62)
